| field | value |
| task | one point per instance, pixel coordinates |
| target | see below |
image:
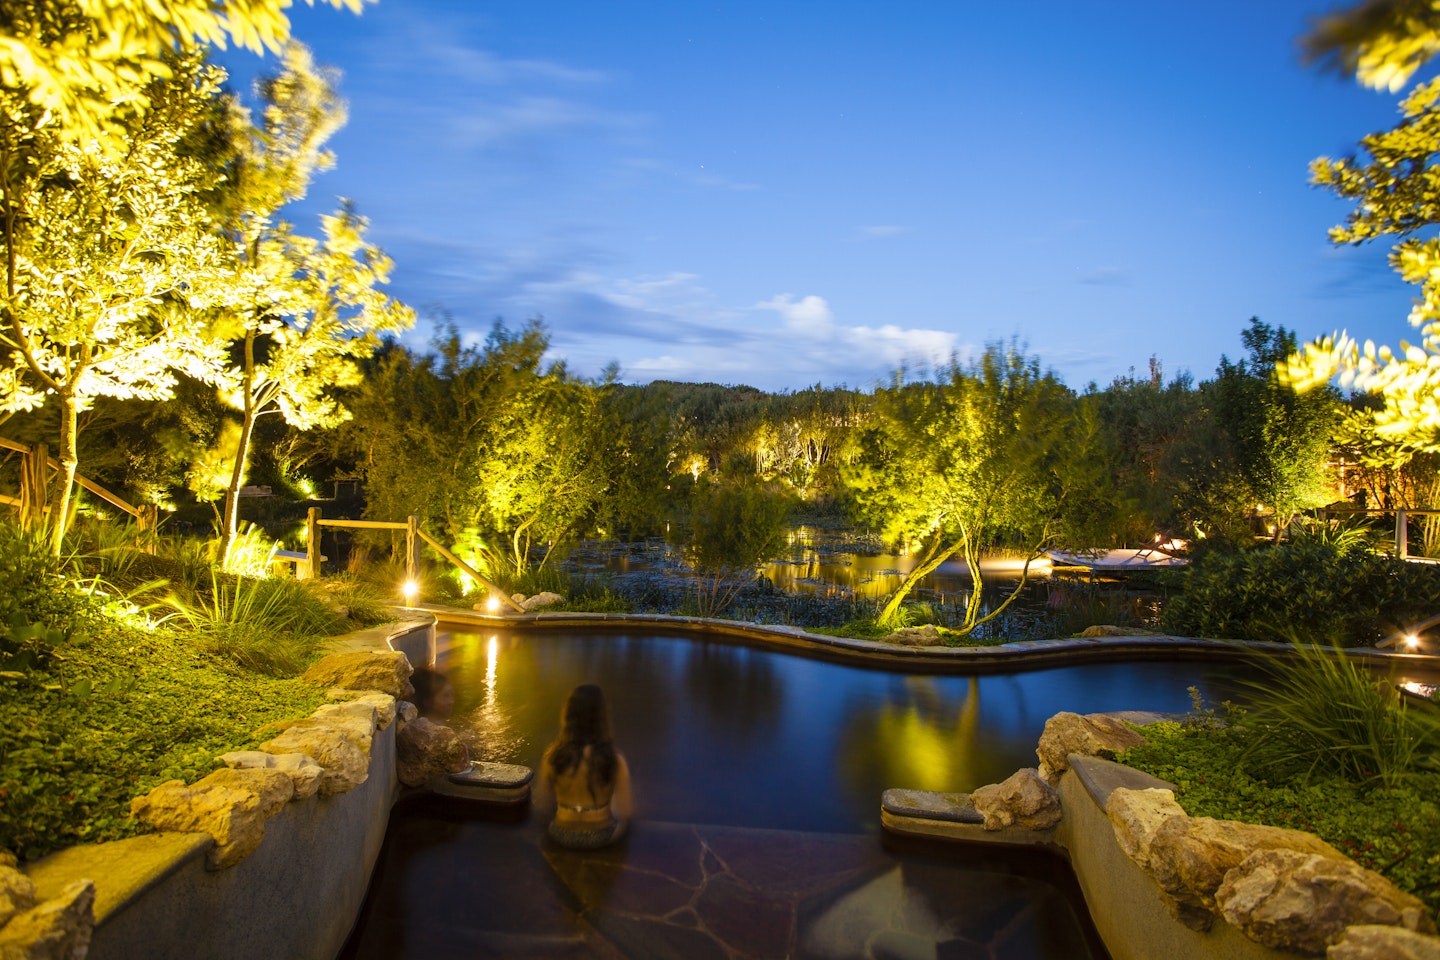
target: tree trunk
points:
(230, 519)
(60, 507)
(972, 609)
(937, 554)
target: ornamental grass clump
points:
(269, 625)
(1320, 713)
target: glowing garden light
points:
(410, 590)
(492, 604)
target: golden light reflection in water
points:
(483, 717)
(492, 655)
(920, 744)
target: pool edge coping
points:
(1008, 655)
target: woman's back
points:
(585, 776)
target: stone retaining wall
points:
(1125, 902)
(159, 896)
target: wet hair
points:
(584, 722)
(428, 684)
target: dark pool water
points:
(758, 778)
(723, 734)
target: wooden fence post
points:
(147, 524)
(312, 545)
(39, 482)
(412, 549)
(1402, 535)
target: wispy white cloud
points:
(1105, 277)
(700, 176)
(487, 123)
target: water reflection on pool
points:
(729, 735)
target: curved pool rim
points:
(999, 658)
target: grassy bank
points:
(100, 700)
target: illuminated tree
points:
(485, 444)
(303, 310)
(1393, 182)
(986, 456)
(83, 62)
(325, 311)
(1280, 438)
(109, 259)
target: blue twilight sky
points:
(791, 192)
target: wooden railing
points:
(1402, 522)
(413, 536)
(36, 468)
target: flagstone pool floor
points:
(447, 887)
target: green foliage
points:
(37, 584)
(1354, 536)
(1321, 713)
(126, 710)
(989, 455)
(1280, 439)
(1311, 590)
(734, 527)
(482, 444)
(1392, 830)
(267, 625)
(1391, 181)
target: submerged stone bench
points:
(503, 783)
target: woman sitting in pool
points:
(585, 776)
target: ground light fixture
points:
(410, 590)
(492, 605)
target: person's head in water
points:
(434, 695)
(584, 723)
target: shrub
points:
(37, 585)
(1322, 713)
(1317, 590)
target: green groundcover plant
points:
(120, 711)
(1352, 765)
(99, 705)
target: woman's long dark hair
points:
(584, 723)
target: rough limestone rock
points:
(339, 744)
(926, 636)
(1303, 902)
(1023, 799)
(406, 712)
(1136, 815)
(304, 773)
(387, 671)
(383, 703)
(1093, 735)
(425, 750)
(58, 929)
(230, 805)
(1367, 942)
(357, 716)
(544, 599)
(17, 893)
(1189, 857)
(1111, 630)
